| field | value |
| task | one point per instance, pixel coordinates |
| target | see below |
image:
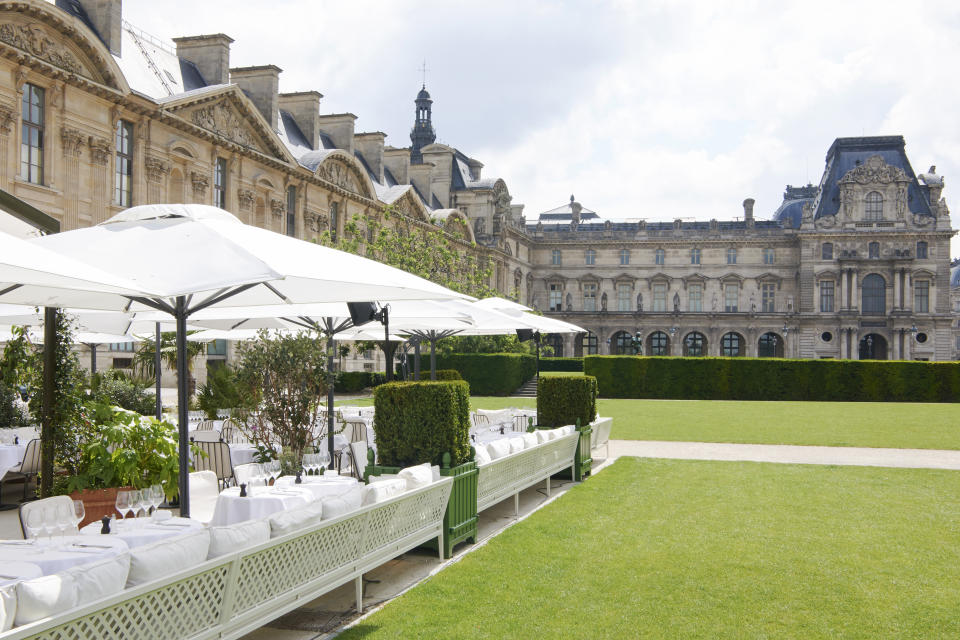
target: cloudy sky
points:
(655, 109)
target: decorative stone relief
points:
(72, 141)
(315, 222)
(245, 197)
(34, 39)
(221, 119)
(7, 117)
(99, 149)
(156, 168)
(277, 207)
(340, 174)
(874, 171)
(200, 182)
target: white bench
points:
(234, 594)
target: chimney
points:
(370, 147)
(748, 209)
(397, 161)
(304, 107)
(420, 178)
(262, 86)
(440, 156)
(106, 17)
(339, 126)
(476, 167)
(209, 53)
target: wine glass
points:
(64, 518)
(79, 513)
(50, 523)
(35, 524)
(274, 470)
(156, 496)
(123, 503)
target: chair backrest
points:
(242, 473)
(204, 490)
(205, 425)
(31, 457)
(356, 430)
(56, 502)
(216, 460)
(205, 435)
(232, 434)
(358, 455)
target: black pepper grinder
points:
(16, 439)
(243, 491)
(106, 524)
(299, 479)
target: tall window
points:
(826, 296)
(658, 344)
(123, 170)
(31, 140)
(731, 256)
(220, 183)
(768, 300)
(826, 251)
(731, 345)
(555, 257)
(122, 346)
(874, 294)
(873, 206)
(922, 249)
(921, 296)
(589, 344)
(334, 220)
(623, 344)
(695, 297)
(695, 345)
(292, 211)
(590, 257)
(694, 256)
(770, 346)
(623, 297)
(624, 256)
(659, 256)
(589, 297)
(873, 250)
(731, 297)
(659, 297)
(768, 256)
(555, 342)
(556, 297)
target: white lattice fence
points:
(229, 596)
(511, 474)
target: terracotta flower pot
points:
(98, 503)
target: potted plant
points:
(120, 450)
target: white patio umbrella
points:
(186, 257)
(501, 304)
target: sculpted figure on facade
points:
(676, 302)
(603, 301)
(221, 119)
(901, 200)
(277, 207)
(569, 305)
(34, 39)
(639, 303)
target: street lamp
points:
(914, 331)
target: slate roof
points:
(790, 212)
(955, 274)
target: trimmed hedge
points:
(775, 379)
(565, 399)
(447, 374)
(561, 364)
(354, 381)
(491, 374)
(418, 422)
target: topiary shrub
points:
(491, 374)
(448, 374)
(561, 364)
(418, 422)
(351, 381)
(566, 399)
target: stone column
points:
(841, 301)
(896, 289)
(156, 170)
(71, 142)
(854, 291)
(100, 185)
(907, 347)
(8, 118)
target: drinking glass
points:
(123, 502)
(156, 496)
(274, 470)
(35, 524)
(64, 518)
(79, 512)
(50, 521)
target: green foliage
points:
(491, 374)
(220, 392)
(144, 360)
(125, 449)
(355, 381)
(564, 400)
(284, 378)
(775, 379)
(484, 344)
(11, 415)
(561, 364)
(418, 422)
(448, 374)
(114, 387)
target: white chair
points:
(244, 473)
(56, 502)
(204, 490)
(358, 458)
(206, 435)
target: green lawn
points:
(692, 549)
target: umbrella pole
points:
(47, 427)
(93, 358)
(331, 348)
(156, 371)
(183, 399)
(416, 360)
(433, 355)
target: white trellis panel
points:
(234, 594)
(512, 474)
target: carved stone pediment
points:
(874, 171)
(35, 39)
(223, 119)
(315, 222)
(346, 176)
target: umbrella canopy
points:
(501, 304)
(372, 332)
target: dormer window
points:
(873, 206)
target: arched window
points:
(731, 256)
(658, 344)
(555, 342)
(731, 345)
(873, 250)
(826, 251)
(589, 343)
(695, 345)
(873, 206)
(770, 345)
(874, 294)
(623, 344)
(659, 256)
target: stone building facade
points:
(96, 116)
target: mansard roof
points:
(153, 69)
(790, 212)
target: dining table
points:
(259, 502)
(12, 572)
(323, 486)
(137, 532)
(58, 553)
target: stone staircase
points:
(528, 390)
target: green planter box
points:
(582, 458)
(460, 520)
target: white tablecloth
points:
(140, 531)
(13, 572)
(10, 456)
(242, 453)
(259, 502)
(59, 553)
(320, 486)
